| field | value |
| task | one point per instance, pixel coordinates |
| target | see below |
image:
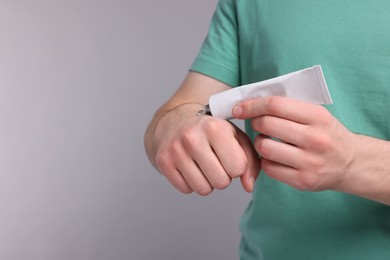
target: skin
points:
(199, 153)
(202, 153)
(317, 152)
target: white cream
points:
(307, 85)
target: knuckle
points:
(204, 191)
(320, 142)
(190, 138)
(222, 184)
(274, 104)
(263, 148)
(265, 124)
(325, 116)
(163, 161)
(175, 149)
(266, 167)
(185, 190)
(309, 182)
(217, 128)
(238, 169)
(212, 126)
(313, 164)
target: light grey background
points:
(79, 81)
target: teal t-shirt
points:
(253, 40)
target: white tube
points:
(307, 85)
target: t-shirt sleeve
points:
(219, 55)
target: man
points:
(324, 189)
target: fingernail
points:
(237, 111)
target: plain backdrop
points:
(79, 82)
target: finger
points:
(211, 167)
(167, 168)
(279, 152)
(194, 176)
(178, 181)
(283, 107)
(199, 149)
(290, 176)
(253, 168)
(281, 172)
(282, 129)
(230, 153)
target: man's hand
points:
(202, 153)
(301, 144)
(199, 153)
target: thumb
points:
(253, 168)
(248, 181)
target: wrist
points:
(167, 116)
(369, 174)
(162, 123)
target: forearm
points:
(369, 176)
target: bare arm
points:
(199, 153)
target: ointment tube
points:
(305, 85)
